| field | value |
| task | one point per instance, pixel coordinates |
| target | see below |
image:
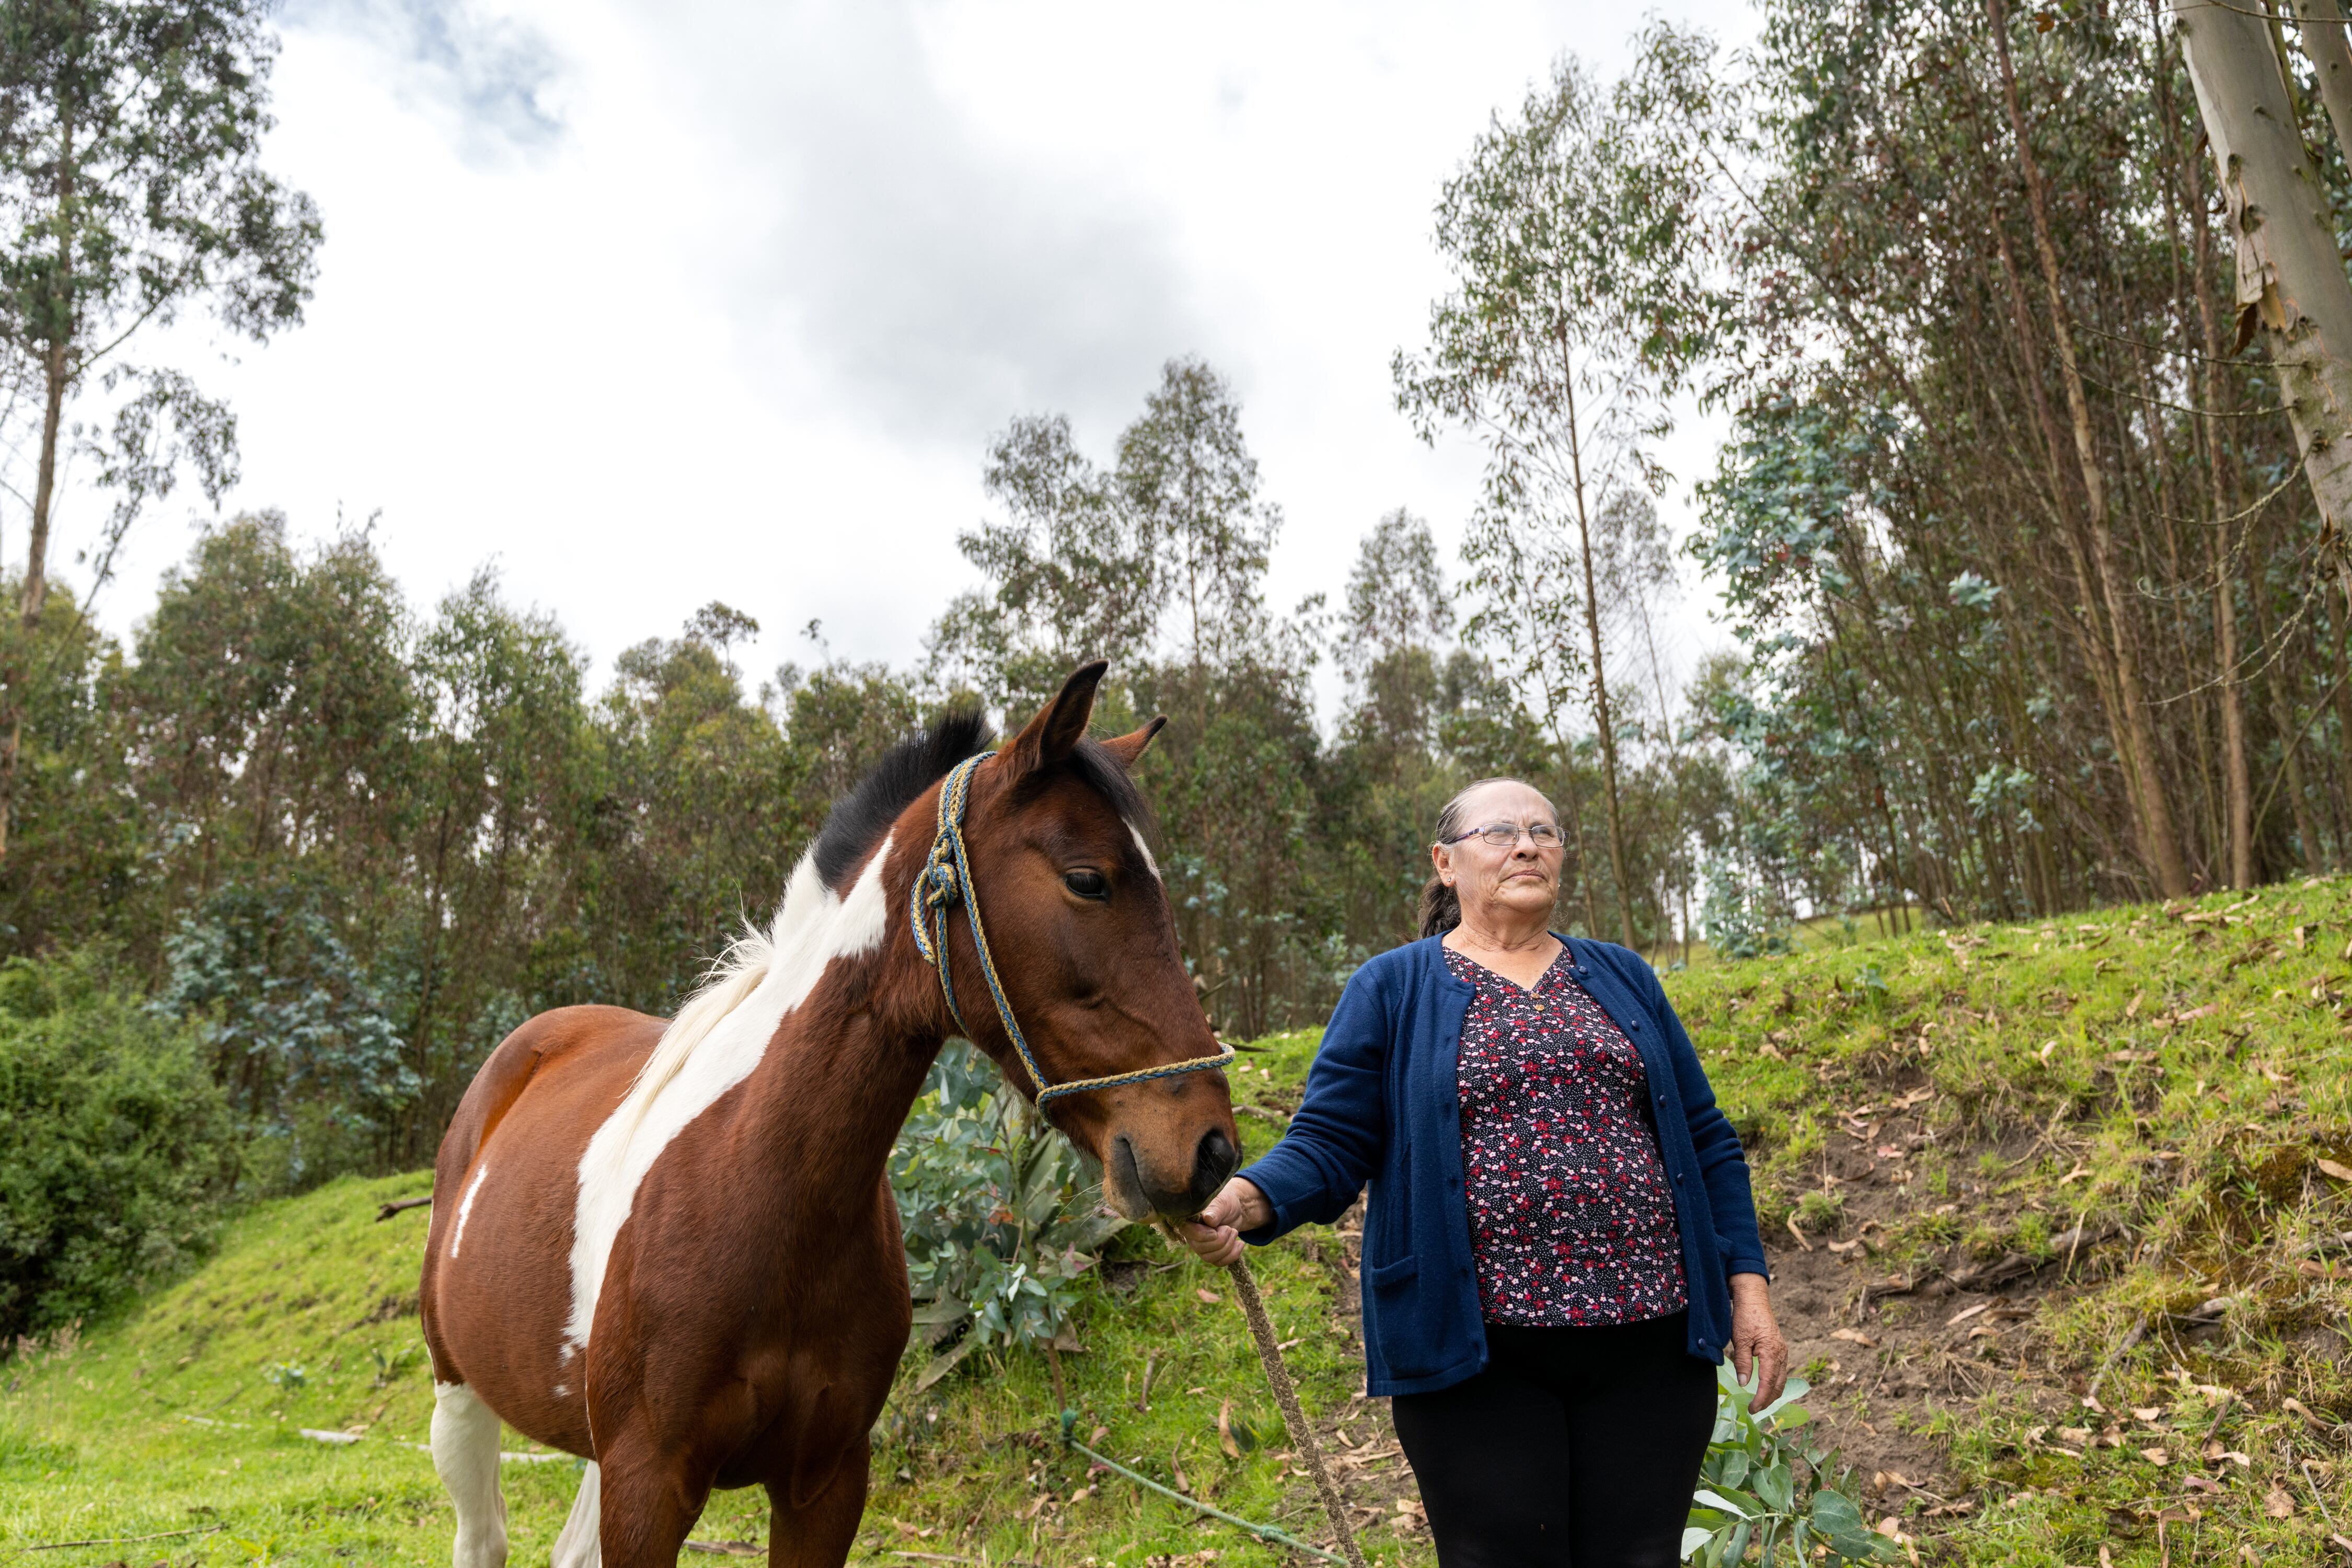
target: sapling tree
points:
(1574, 234)
(131, 190)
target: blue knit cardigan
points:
(1382, 1105)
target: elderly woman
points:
(1561, 1244)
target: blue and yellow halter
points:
(944, 881)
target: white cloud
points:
(663, 304)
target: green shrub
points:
(1001, 1214)
(1761, 1485)
(114, 1143)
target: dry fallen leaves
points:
(2336, 1169)
(2278, 1503)
(1855, 1337)
(1211, 1297)
(1965, 1313)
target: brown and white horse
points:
(672, 1248)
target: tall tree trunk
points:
(2159, 840)
(2290, 278)
(2331, 56)
(1600, 679)
(2237, 777)
(45, 486)
(2290, 734)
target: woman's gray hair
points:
(1441, 906)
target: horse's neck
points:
(842, 1072)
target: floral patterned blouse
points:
(1572, 1217)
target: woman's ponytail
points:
(1441, 908)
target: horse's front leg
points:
(819, 1531)
(649, 1504)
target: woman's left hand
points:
(1755, 1342)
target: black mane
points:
(860, 818)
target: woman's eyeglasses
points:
(1505, 835)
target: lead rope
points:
(945, 881)
(1302, 1434)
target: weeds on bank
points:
(2175, 1077)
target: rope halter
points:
(944, 882)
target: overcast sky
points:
(653, 305)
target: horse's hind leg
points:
(646, 1508)
(578, 1546)
(465, 1453)
(820, 1532)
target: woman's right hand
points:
(1215, 1233)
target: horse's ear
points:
(1126, 748)
(1048, 740)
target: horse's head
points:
(1084, 946)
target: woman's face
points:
(1498, 885)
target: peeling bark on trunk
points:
(2290, 278)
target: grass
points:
(2117, 1117)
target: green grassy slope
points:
(1996, 1166)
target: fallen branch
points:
(1873, 1292)
(119, 1540)
(393, 1208)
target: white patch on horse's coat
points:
(465, 1206)
(465, 1454)
(562, 1391)
(712, 1045)
(581, 1544)
(1140, 843)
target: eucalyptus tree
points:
(1071, 572)
(1574, 234)
(130, 189)
(1191, 488)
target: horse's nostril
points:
(1213, 1162)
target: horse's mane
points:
(860, 818)
(856, 823)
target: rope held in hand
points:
(1302, 1435)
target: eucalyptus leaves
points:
(1762, 1486)
(1001, 1215)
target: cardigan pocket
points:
(1393, 1294)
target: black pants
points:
(1574, 1446)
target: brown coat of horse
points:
(672, 1248)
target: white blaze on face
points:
(1145, 849)
(465, 1206)
(814, 927)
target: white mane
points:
(712, 1045)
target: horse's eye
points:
(1086, 884)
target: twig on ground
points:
(2123, 1347)
(119, 1540)
(2304, 1465)
(398, 1204)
